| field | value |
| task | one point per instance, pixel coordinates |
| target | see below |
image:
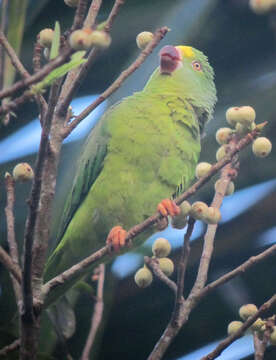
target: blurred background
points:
(240, 45)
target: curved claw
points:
(168, 207)
(116, 238)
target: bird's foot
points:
(168, 207)
(116, 238)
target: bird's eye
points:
(196, 65)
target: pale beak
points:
(170, 59)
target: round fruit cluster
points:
(258, 326)
(161, 248)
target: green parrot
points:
(142, 150)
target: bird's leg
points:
(166, 207)
(116, 238)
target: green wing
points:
(89, 167)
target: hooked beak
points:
(170, 59)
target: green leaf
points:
(76, 60)
(56, 42)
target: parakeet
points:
(143, 149)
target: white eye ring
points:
(196, 65)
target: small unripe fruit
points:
(100, 39)
(221, 152)
(223, 135)
(46, 37)
(202, 169)
(180, 221)
(272, 337)
(80, 39)
(261, 147)
(230, 188)
(258, 324)
(247, 310)
(143, 39)
(233, 115)
(185, 208)
(212, 215)
(233, 327)
(247, 115)
(71, 3)
(23, 172)
(261, 6)
(143, 277)
(161, 247)
(166, 265)
(198, 210)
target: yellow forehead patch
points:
(186, 51)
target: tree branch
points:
(3, 22)
(79, 15)
(97, 315)
(6, 260)
(13, 56)
(92, 13)
(259, 347)
(9, 348)
(9, 182)
(21, 69)
(182, 267)
(114, 12)
(24, 83)
(253, 260)
(209, 237)
(230, 339)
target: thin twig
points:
(38, 49)
(97, 315)
(79, 15)
(13, 56)
(113, 14)
(182, 267)
(6, 260)
(3, 23)
(253, 260)
(158, 36)
(9, 182)
(75, 77)
(10, 218)
(76, 270)
(153, 264)
(9, 348)
(92, 13)
(209, 237)
(230, 339)
(259, 347)
(24, 83)
(23, 72)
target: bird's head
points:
(186, 71)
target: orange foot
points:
(168, 207)
(116, 238)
